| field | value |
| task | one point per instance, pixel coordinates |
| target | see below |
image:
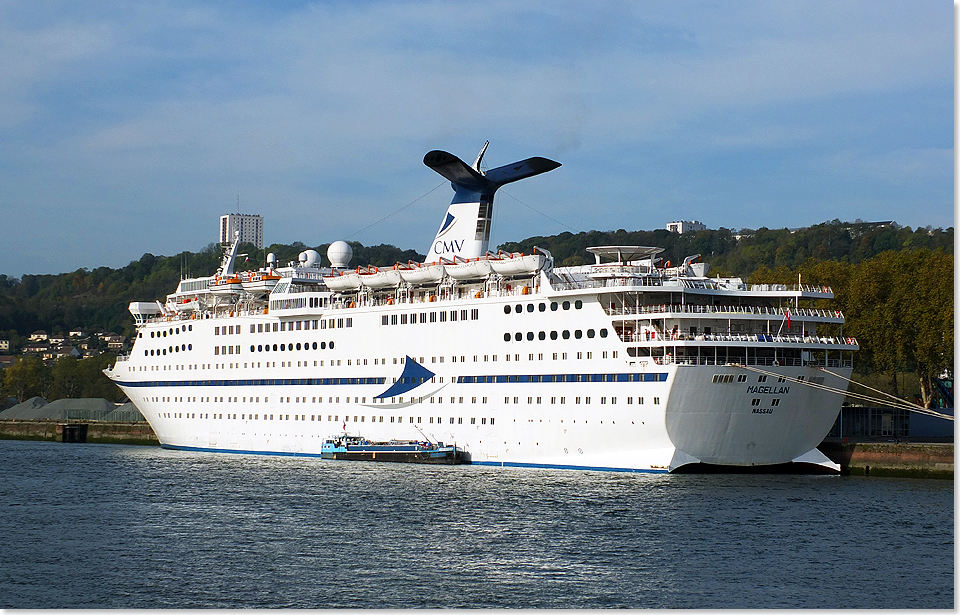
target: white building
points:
(249, 225)
(685, 226)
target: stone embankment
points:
(101, 432)
(898, 458)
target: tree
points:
(26, 378)
(66, 380)
(900, 307)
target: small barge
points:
(356, 448)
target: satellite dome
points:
(309, 258)
(339, 254)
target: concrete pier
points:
(898, 458)
(101, 432)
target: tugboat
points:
(357, 448)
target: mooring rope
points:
(897, 403)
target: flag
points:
(788, 318)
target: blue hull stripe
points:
(504, 464)
(406, 382)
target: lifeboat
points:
(469, 269)
(380, 278)
(226, 285)
(261, 281)
(518, 264)
(344, 281)
(427, 273)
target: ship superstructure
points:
(622, 364)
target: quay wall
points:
(100, 432)
(903, 459)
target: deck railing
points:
(739, 337)
(720, 310)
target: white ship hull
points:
(288, 401)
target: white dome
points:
(340, 254)
(309, 258)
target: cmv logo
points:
(448, 246)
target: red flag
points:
(788, 318)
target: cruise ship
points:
(625, 364)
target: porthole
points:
(145, 353)
(151, 353)
(578, 304)
(566, 305)
(529, 336)
(553, 306)
(331, 345)
(542, 335)
(183, 347)
(323, 345)
(506, 309)
(164, 352)
(578, 334)
(252, 348)
(298, 345)
(171, 349)
(314, 345)
(274, 347)
(171, 330)
(164, 334)
(177, 330)
(283, 347)
(543, 307)
(259, 347)
(518, 308)
(506, 337)
(603, 333)
(518, 336)
(591, 333)
(151, 334)
(566, 334)
(189, 346)
(529, 307)
(553, 335)
(189, 327)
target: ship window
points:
(578, 304)
(385, 320)
(553, 336)
(553, 306)
(603, 333)
(443, 317)
(529, 307)
(529, 336)
(542, 335)
(331, 345)
(518, 336)
(483, 421)
(591, 333)
(518, 308)
(566, 305)
(656, 400)
(761, 378)
(578, 334)
(543, 307)
(506, 309)
(453, 316)
(754, 402)
(775, 402)
(314, 345)
(566, 335)
(742, 378)
(474, 315)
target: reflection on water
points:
(113, 526)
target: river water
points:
(105, 526)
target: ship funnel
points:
(465, 230)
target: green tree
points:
(66, 380)
(26, 378)
(900, 307)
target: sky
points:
(130, 127)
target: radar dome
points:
(309, 258)
(340, 254)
